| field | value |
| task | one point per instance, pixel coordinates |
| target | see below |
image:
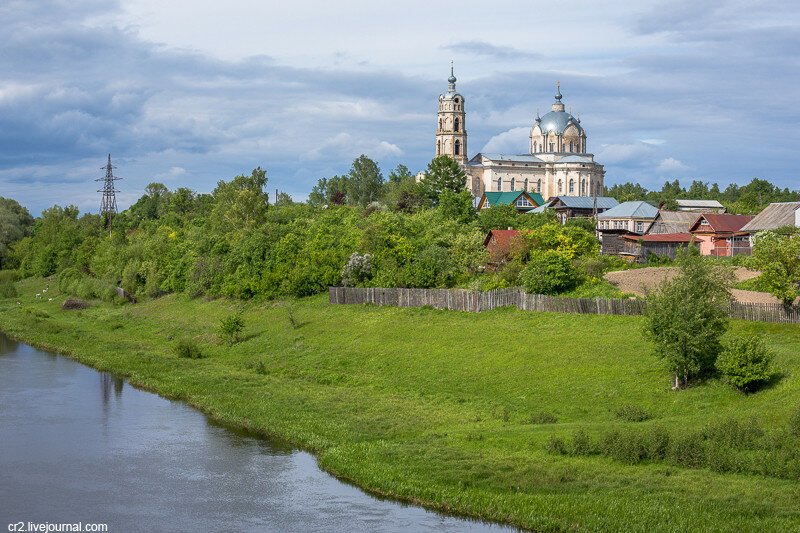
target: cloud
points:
(671, 165)
(483, 48)
(347, 146)
(513, 141)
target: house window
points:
(457, 124)
(639, 227)
(513, 184)
(523, 202)
(457, 147)
(499, 184)
(571, 186)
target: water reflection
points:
(143, 463)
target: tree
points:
(231, 327)
(443, 174)
(399, 174)
(777, 254)
(746, 363)
(240, 203)
(329, 191)
(364, 182)
(688, 315)
(15, 223)
(457, 206)
(549, 272)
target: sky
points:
(188, 93)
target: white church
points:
(557, 163)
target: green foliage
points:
(543, 417)
(364, 182)
(632, 413)
(15, 224)
(549, 272)
(746, 363)
(188, 348)
(794, 422)
(443, 174)
(777, 255)
(231, 328)
(688, 315)
(7, 288)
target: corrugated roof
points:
(513, 158)
(575, 159)
(673, 222)
(635, 209)
(722, 222)
(773, 216)
(586, 202)
(662, 237)
(699, 203)
(502, 237)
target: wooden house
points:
(721, 235)
(523, 201)
(640, 247)
(672, 222)
(774, 216)
(567, 207)
(626, 218)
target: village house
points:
(523, 201)
(500, 244)
(700, 206)
(626, 218)
(567, 207)
(774, 216)
(721, 235)
(672, 222)
(641, 247)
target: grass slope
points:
(435, 407)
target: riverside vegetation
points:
(550, 422)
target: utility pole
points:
(108, 205)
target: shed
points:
(774, 216)
(700, 206)
(640, 247)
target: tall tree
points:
(364, 182)
(688, 315)
(15, 223)
(329, 191)
(240, 203)
(443, 174)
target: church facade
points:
(557, 162)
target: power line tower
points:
(108, 205)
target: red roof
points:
(502, 237)
(661, 237)
(721, 223)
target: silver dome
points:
(557, 122)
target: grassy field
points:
(446, 409)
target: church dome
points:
(558, 121)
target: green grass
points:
(444, 408)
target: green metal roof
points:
(509, 197)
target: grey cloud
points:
(483, 48)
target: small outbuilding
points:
(640, 247)
(774, 216)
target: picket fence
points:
(477, 301)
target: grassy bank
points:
(452, 410)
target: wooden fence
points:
(477, 301)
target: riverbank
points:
(442, 408)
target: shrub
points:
(357, 270)
(556, 446)
(73, 304)
(632, 413)
(543, 417)
(189, 349)
(746, 363)
(549, 272)
(687, 450)
(582, 443)
(231, 327)
(794, 422)
(739, 435)
(7, 289)
(629, 446)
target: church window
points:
(499, 184)
(539, 185)
(457, 124)
(571, 146)
(440, 123)
(438, 147)
(457, 147)
(526, 184)
(583, 187)
(456, 100)
(571, 186)
(551, 147)
(560, 188)
(513, 184)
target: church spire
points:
(558, 105)
(558, 90)
(451, 80)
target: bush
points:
(746, 363)
(687, 450)
(357, 270)
(7, 289)
(627, 446)
(543, 417)
(189, 349)
(73, 304)
(582, 443)
(794, 423)
(632, 413)
(549, 272)
(231, 327)
(556, 446)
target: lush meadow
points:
(464, 412)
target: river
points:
(77, 445)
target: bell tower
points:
(451, 132)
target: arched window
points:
(526, 184)
(513, 184)
(539, 185)
(551, 147)
(457, 124)
(583, 187)
(457, 150)
(560, 188)
(571, 147)
(572, 186)
(499, 184)
(438, 147)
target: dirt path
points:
(642, 281)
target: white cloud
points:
(513, 141)
(670, 164)
(345, 145)
(636, 152)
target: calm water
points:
(80, 445)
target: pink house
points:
(721, 235)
